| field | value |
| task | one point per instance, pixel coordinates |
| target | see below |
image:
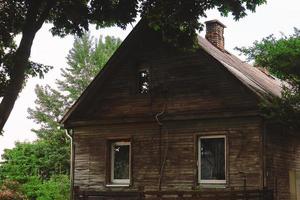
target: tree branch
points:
(45, 14)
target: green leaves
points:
(85, 60)
(281, 57)
(40, 158)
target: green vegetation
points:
(281, 56)
(40, 170)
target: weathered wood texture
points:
(180, 173)
(196, 96)
(282, 156)
(191, 84)
(178, 195)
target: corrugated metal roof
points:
(256, 80)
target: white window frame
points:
(203, 181)
(112, 155)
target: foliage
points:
(85, 60)
(57, 187)
(177, 20)
(49, 108)
(42, 167)
(280, 56)
(11, 190)
(40, 158)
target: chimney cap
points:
(215, 21)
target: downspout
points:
(69, 133)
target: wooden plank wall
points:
(282, 156)
(191, 83)
(244, 153)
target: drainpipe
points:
(69, 133)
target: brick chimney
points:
(215, 33)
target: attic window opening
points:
(143, 81)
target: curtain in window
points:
(212, 158)
(121, 162)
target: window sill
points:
(117, 185)
(212, 186)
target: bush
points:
(10, 190)
(57, 187)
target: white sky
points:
(275, 17)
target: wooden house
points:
(159, 122)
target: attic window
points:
(143, 81)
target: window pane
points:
(212, 159)
(121, 162)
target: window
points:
(212, 159)
(120, 162)
(143, 81)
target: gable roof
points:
(260, 83)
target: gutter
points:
(70, 134)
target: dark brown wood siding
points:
(180, 173)
(189, 83)
(192, 94)
(282, 157)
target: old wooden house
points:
(159, 122)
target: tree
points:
(40, 158)
(281, 57)
(85, 60)
(177, 20)
(41, 166)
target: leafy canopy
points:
(281, 57)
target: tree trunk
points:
(17, 79)
(32, 24)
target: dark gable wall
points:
(190, 83)
(200, 98)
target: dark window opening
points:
(212, 160)
(144, 81)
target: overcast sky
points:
(273, 18)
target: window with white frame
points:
(120, 162)
(212, 159)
